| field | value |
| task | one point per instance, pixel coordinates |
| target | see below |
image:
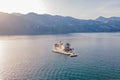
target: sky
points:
(82, 9)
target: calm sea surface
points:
(31, 58)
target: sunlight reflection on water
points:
(1, 57)
(31, 58)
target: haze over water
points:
(31, 58)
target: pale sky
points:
(83, 9)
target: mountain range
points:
(35, 24)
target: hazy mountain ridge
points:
(32, 23)
(103, 19)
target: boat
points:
(62, 51)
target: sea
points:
(30, 57)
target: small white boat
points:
(62, 51)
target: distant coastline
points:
(39, 24)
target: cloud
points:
(75, 8)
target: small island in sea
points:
(59, 39)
